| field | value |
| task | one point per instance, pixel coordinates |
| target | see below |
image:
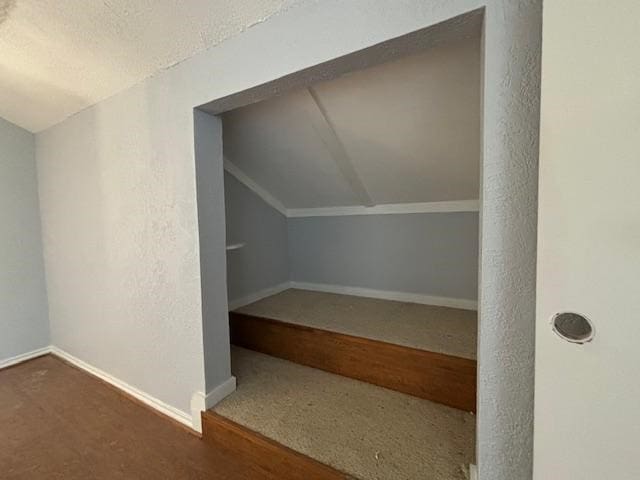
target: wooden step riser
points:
(268, 460)
(433, 376)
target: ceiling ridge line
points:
(329, 136)
(248, 182)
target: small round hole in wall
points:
(573, 327)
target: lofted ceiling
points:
(407, 131)
(60, 56)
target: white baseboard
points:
(145, 398)
(473, 472)
(201, 402)
(462, 303)
(254, 297)
(23, 357)
(219, 393)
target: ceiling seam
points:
(329, 136)
(264, 194)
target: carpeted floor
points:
(363, 430)
(437, 329)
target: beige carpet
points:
(363, 430)
(437, 329)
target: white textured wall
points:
(118, 203)
(24, 325)
(587, 413)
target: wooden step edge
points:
(442, 378)
(265, 458)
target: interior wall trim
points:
(463, 303)
(23, 357)
(384, 209)
(389, 209)
(201, 402)
(155, 403)
(254, 187)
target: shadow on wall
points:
(5, 9)
(415, 176)
(18, 89)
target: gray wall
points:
(428, 253)
(24, 324)
(211, 235)
(263, 261)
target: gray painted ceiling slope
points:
(58, 57)
(408, 131)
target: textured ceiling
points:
(60, 56)
(401, 132)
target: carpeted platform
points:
(363, 430)
(438, 329)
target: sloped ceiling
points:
(401, 132)
(60, 56)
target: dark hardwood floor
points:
(57, 422)
(273, 460)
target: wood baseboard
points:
(267, 459)
(433, 376)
